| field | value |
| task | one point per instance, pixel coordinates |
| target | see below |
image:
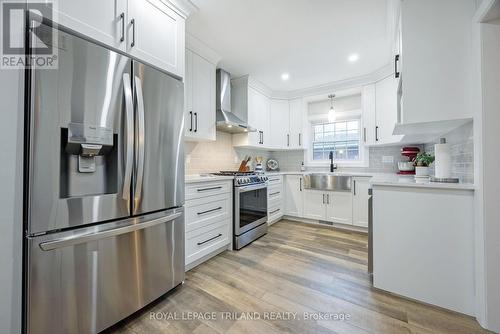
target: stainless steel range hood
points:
(227, 121)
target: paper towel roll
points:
(442, 163)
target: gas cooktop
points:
(244, 178)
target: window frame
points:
(363, 160)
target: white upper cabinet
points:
(250, 104)
(261, 110)
(380, 112)
(368, 114)
(296, 132)
(156, 35)
(386, 114)
(199, 98)
(106, 25)
(280, 123)
(438, 69)
(149, 30)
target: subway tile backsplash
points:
(462, 153)
(210, 157)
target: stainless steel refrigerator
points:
(104, 218)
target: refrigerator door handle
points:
(139, 142)
(89, 237)
(129, 136)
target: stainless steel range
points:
(249, 206)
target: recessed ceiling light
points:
(353, 58)
(285, 76)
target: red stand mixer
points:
(408, 168)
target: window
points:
(343, 138)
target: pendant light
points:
(331, 114)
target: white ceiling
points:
(310, 39)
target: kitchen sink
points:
(326, 181)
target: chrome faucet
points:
(333, 166)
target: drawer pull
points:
(276, 193)
(273, 212)
(207, 189)
(208, 211)
(204, 242)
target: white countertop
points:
(389, 179)
(377, 179)
(396, 180)
(356, 174)
(193, 178)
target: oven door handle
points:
(250, 188)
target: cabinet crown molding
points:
(200, 48)
(255, 84)
(183, 7)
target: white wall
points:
(11, 195)
(11, 144)
(490, 305)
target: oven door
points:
(250, 207)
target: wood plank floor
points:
(296, 270)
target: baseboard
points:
(330, 225)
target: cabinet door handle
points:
(207, 189)
(262, 137)
(208, 211)
(273, 212)
(204, 242)
(300, 184)
(354, 187)
(376, 133)
(195, 122)
(327, 198)
(132, 22)
(396, 61)
(364, 135)
(191, 123)
(276, 193)
(288, 140)
(323, 198)
(300, 139)
(122, 18)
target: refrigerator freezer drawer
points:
(86, 280)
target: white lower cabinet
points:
(206, 240)
(341, 207)
(275, 205)
(330, 206)
(293, 195)
(360, 186)
(314, 204)
(208, 220)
